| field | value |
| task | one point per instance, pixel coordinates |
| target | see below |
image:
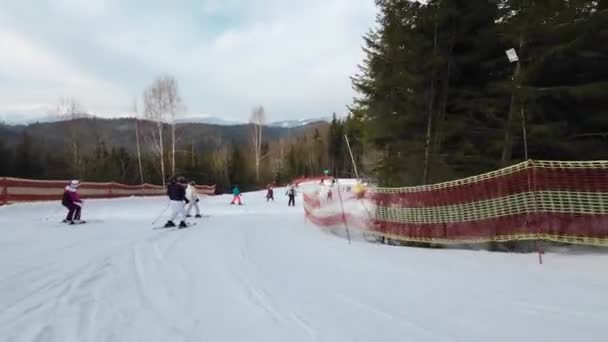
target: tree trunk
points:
(193, 161)
(162, 152)
(173, 147)
(444, 100)
(507, 147)
(141, 169)
(429, 127)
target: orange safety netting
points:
(27, 190)
(544, 200)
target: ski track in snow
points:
(260, 273)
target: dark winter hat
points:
(181, 179)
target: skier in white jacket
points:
(192, 198)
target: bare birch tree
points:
(174, 107)
(156, 110)
(141, 169)
(69, 109)
(258, 119)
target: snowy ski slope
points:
(260, 273)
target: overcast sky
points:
(293, 56)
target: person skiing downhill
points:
(237, 195)
(72, 201)
(292, 196)
(177, 195)
(270, 194)
(192, 200)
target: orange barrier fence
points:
(26, 190)
(533, 200)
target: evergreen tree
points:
(6, 157)
(439, 100)
(238, 171)
(25, 165)
(336, 147)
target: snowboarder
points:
(292, 196)
(270, 194)
(72, 201)
(192, 200)
(237, 195)
(177, 194)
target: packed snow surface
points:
(261, 273)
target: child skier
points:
(192, 200)
(237, 195)
(72, 201)
(177, 194)
(270, 194)
(292, 196)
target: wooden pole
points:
(352, 158)
(4, 191)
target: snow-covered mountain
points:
(206, 119)
(212, 120)
(28, 119)
(297, 123)
(16, 119)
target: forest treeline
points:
(437, 99)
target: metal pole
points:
(351, 156)
(162, 213)
(343, 215)
(523, 128)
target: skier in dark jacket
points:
(176, 190)
(292, 196)
(269, 194)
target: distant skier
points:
(237, 195)
(192, 200)
(292, 196)
(270, 194)
(72, 201)
(177, 194)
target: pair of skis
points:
(188, 225)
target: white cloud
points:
(38, 77)
(293, 57)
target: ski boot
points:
(183, 225)
(169, 224)
(198, 216)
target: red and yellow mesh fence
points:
(533, 200)
(26, 190)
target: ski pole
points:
(53, 214)
(162, 213)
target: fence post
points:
(4, 191)
(343, 214)
(539, 246)
(531, 172)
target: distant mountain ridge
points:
(119, 132)
(198, 119)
